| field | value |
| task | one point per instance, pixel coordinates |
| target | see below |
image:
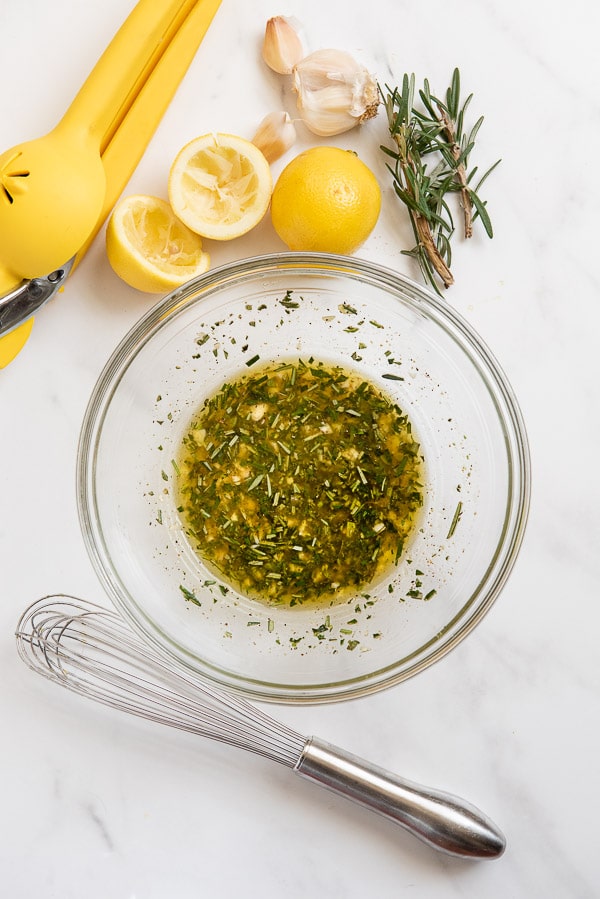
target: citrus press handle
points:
(441, 820)
(104, 99)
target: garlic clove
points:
(335, 93)
(282, 47)
(275, 135)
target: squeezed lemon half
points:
(220, 186)
(149, 248)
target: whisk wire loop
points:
(90, 650)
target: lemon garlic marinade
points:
(300, 483)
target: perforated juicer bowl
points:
(346, 312)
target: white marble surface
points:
(96, 804)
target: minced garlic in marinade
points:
(300, 482)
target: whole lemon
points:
(325, 200)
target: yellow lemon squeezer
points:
(56, 191)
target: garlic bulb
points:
(335, 93)
(275, 135)
(282, 47)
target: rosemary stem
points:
(461, 172)
(427, 243)
(423, 230)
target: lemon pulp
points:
(149, 248)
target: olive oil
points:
(300, 483)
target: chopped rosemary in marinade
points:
(300, 482)
(455, 520)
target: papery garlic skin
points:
(275, 135)
(282, 47)
(335, 93)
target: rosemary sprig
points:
(434, 130)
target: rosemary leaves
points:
(300, 482)
(434, 132)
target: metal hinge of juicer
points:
(19, 304)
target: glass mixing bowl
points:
(398, 335)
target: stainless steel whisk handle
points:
(439, 819)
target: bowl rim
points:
(511, 419)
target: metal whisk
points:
(93, 652)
